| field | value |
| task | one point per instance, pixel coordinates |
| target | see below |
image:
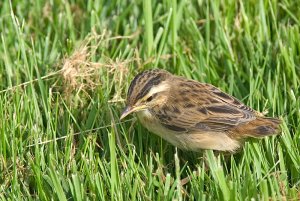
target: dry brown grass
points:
(81, 74)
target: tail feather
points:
(261, 127)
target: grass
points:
(65, 68)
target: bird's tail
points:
(261, 127)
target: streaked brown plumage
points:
(193, 115)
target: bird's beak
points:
(128, 110)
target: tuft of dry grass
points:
(80, 74)
(77, 70)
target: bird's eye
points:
(149, 99)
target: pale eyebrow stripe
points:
(161, 87)
(149, 86)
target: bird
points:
(194, 116)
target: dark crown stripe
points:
(152, 82)
(134, 82)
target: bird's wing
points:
(198, 106)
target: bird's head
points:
(147, 90)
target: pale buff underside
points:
(195, 141)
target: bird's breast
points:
(146, 118)
(150, 121)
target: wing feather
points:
(203, 107)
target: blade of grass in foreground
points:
(148, 26)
